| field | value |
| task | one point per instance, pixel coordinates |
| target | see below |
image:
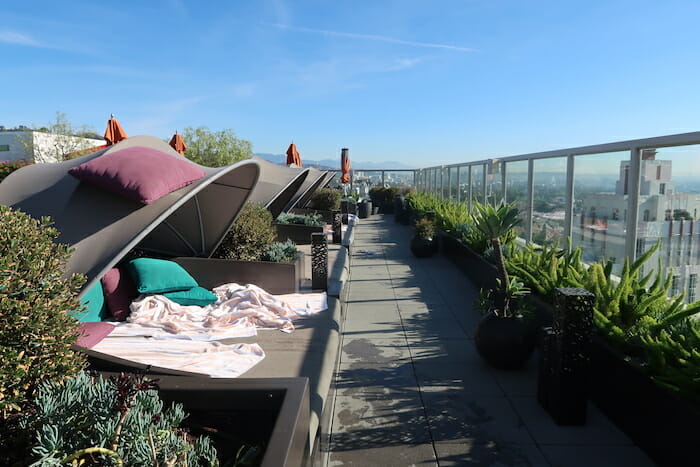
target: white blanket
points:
(239, 312)
(163, 333)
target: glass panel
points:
(601, 184)
(669, 206)
(445, 182)
(516, 191)
(494, 182)
(464, 183)
(401, 179)
(453, 183)
(436, 182)
(478, 183)
(549, 201)
(363, 180)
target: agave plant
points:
(493, 222)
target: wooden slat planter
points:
(299, 234)
(275, 278)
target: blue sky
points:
(425, 82)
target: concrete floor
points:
(412, 390)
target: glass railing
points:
(613, 200)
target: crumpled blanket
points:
(238, 312)
(209, 358)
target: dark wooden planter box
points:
(327, 216)
(270, 412)
(275, 278)
(659, 422)
(479, 271)
(299, 234)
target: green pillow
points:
(158, 276)
(96, 308)
(195, 296)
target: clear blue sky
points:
(428, 82)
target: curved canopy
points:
(277, 185)
(315, 180)
(103, 227)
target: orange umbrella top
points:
(345, 165)
(293, 156)
(178, 143)
(114, 132)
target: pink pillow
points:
(92, 333)
(138, 173)
(119, 291)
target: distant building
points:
(39, 147)
(664, 214)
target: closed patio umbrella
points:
(293, 157)
(178, 144)
(345, 165)
(114, 132)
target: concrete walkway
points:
(413, 391)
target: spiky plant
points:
(494, 222)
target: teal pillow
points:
(195, 296)
(94, 301)
(158, 276)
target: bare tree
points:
(58, 140)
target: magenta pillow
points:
(138, 173)
(119, 291)
(92, 333)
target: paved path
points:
(413, 391)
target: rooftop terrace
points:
(412, 390)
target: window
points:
(662, 188)
(646, 215)
(658, 172)
(675, 285)
(667, 215)
(4, 147)
(639, 250)
(692, 285)
(615, 214)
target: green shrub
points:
(424, 228)
(280, 252)
(300, 219)
(249, 236)
(325, 199)
(35, 301)
(7, 167)
(660, 336)
(107, 422)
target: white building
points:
(664, 214)
(38, 147)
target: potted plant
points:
(249, 254)
(505, 337)
(423, 241)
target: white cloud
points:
(12, 37)
(371, 37)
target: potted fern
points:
(505, 336)
(423, 241)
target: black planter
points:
(505, 343)
(660, 422)
(422, 247)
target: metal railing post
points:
(530, 203)
(633, 202)
(569, 199)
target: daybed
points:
(103, 227)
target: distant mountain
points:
(327, 164)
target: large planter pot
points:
(299, 234)
(664, 425)
(422, 247)
(272, 414)
(505, 343)
(275, 278)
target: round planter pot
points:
(505, 343)
(422, 247)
